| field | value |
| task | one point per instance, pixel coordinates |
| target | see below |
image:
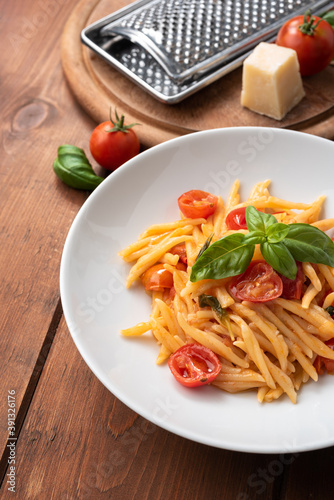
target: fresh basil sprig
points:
(224, 258)
(74, 169)
(279, 258)
(258, 221)
(308, 244)
(280, 244)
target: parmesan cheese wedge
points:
(271, 81)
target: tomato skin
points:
(181, 251)
(196, 204)
(321, 363)
(157, 278)
(329, 365)
(259, 283)
(292, 289)
(194, 365)
(172, 293)
(314, 52)
(236, 219)
(112, 149)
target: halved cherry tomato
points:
(292, 289)
(196, 204)
(181, 266)
(259, 283)
(157, 278)
(236, 219)
(180, 250)
(321, 363)
(194, 365)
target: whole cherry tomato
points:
(157, 278)
(197, 204)
(194, 365)
(313, 40)
(259, 283)
(112, 143)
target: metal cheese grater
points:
(173, 48)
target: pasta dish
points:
(242, 292)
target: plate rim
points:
(248, 448)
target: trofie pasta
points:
(250, 282)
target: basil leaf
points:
(226, 257)
(329, 17)
(254, 237)
(279, 258)
(309, 244)
(258, 221)
(74, 169)
(330, 310)
(205, 246)
(213, 302)
(277, 232)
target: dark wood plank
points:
(78, 441)
(309, 476)
(36, 210)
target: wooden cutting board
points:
(98, 86)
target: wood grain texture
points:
(75, 439)
(36, 210)
(78, 441)
(97, 86)
(309, 476)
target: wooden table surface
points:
(74, 439)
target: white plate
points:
(97, 305)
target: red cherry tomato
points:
(313, 40)
(157, 278)
(197, 204)
(236, 219)
(194, 365)
(171, 294)
(112, 143)
(322, 363)
(259, 283)
(292, 289)
(180, 250)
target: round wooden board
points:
(98, 86)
